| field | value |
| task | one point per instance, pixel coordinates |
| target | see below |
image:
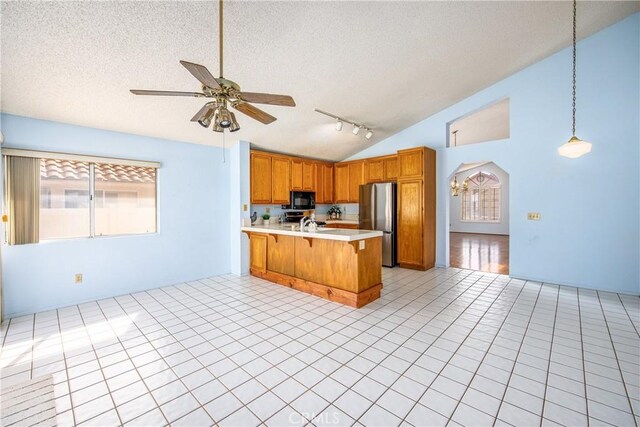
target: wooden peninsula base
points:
(344, 271)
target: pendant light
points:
(575, 147)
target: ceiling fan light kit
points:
(356, 126)
(224, 92)
(575, 147)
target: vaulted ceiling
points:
(385, 64)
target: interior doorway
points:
(479, 218)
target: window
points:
(480, 198)
(65, 186)
(123, 202)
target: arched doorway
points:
(479, 218)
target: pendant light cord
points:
(220, 26)
(574, 68)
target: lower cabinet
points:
(258, 252)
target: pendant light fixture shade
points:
(575, 147)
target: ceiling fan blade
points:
(254, 112)
(268, 98)
(201, 112)
(165, 93)
(201, 73)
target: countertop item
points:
(326, 233)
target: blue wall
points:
(589, 232)
(193, 238)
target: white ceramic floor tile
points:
(238, 350)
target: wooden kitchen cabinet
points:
(391, 168)
(308, 176)
(296, 174)
(328, 183)
(260, 178)
(374, 170)
(258, 252)
(410, 222)
(319, 177)
(341, 184)
(417, 208)
(280, 179)
(411, 163)
(356, 179)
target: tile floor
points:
(443, 347)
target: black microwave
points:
(301, 200)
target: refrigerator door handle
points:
(374, 207)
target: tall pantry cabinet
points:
(416, 208)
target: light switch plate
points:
(244, 207)
(78, 278)
(533, 216)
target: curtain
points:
(23, 199)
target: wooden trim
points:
(351, 299)
(355, 245)
(414, 266)
(309, 240)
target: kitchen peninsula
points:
(340, 265)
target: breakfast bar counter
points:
(340, 265)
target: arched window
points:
(481, 198)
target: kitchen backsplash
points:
(349, 210)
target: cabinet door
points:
(391, 168)
(356, 179)
(341, 177)
(280, 179)
(374, 170)
(411, 163)
(308, 176)
(260, 178)
(296, 174)
(319, 169)
(328, 183)
(411, 223)
(258, 252)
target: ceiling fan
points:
(223, 93)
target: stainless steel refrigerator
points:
(378, 212)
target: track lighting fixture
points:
(356, 126)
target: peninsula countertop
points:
(326, 233)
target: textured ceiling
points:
(385, 64)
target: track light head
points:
(339, 125)
(369, 134)
(356, 129)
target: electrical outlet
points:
(361, 244)
(533, 216)
(268, 210)
(245, 207)
(78, 278)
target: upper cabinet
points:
(356, 179)
(280, 179)
(341, 184)
(411, 163)
(327, 182)
(391, 168)
(374, 170)
(296, 174)
(260, 177)
(308, 176)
